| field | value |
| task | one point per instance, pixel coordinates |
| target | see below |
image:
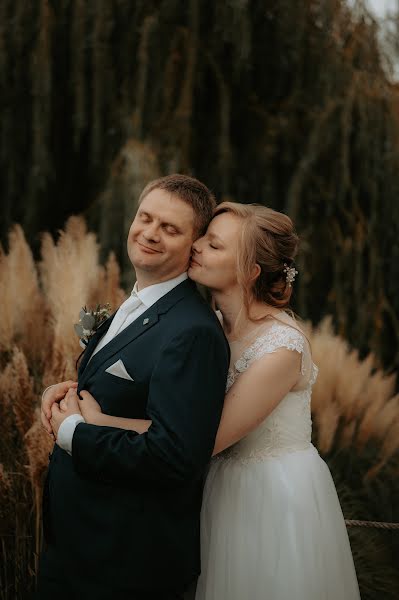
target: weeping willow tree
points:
(283, 103)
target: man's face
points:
(160, 237)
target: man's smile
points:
(148, 250)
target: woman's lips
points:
(194, 262)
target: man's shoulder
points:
(194, 309)
(185, 313)
(191, 316)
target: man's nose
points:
(151, 233)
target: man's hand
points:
(54, 394)
(70, 406)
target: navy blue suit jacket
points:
(125, 508)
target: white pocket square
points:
(118, 369)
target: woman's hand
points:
(88, 406)
(92, 413)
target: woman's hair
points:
(268, 238)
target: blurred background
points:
(289, 103)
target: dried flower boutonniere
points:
(90, 321)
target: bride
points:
(271, 523)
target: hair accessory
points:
(290, 273)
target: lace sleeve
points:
(278, 336)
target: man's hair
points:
(191, 191)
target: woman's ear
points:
(256, 270)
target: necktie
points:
(125, 309)
(129, 305)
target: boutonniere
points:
(90, 321)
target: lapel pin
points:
(146, 321)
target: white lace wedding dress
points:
(271, 524)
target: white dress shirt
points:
(137, 303)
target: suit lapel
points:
(102, 330)
(140, 326)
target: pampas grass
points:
(19, 393)
(17, 401)
(355, 415)
(38, 446)
(23, 313)
(69, 270)
(354, 406)
(353, 402)
(38, 347)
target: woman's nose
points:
(196, 247)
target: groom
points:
(121, 511)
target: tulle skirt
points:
(273, 529)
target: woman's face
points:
(214, 256)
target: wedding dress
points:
(272, 527)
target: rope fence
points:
(371, 524)
(348, 523)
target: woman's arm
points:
(255, 394)
(138, 425)
(92, 414)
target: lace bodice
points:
(289, 427)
